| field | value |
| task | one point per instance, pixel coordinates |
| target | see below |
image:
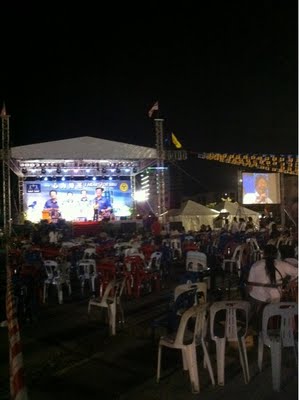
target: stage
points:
(93, 228)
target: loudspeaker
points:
(176, 225)
(128, 227)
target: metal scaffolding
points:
(160, 167)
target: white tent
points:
(192, 215)
(237, 210)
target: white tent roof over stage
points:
(85, 147)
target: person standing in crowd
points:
(260, 196)
(234, 228)
(102, 206)
(265, 282)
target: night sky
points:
(224, 73)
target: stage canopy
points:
(81, 153)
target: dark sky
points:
(224, 73)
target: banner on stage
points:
(74, 198)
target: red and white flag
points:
(155, 107)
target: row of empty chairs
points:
(228, 322)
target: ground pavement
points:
(70, 355)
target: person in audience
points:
(264, 282)
(287, 254)
(234, 228)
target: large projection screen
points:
(260, 188)
(69, 198)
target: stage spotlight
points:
(44, 170)
(24, 171)
(134, 170)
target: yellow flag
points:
(175, 141)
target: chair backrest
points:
(87, 267)
(189, 331)
(51, 268)
(253, 243)
(114, 289)
(237, 255)
(200, 291)
(196, 261)
(233, 314)
(155, 260)
(286, 311)
(90, 252)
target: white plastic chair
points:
(234, 263)
(87, 272)
(196, 261)
(176, 247)
(233, 329)
(111, 300)
(186, 340)
(155, 260)
(255, 250)
(201, 291)
(56, 276)
(277, 338)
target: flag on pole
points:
(175, 141)
(155, 107)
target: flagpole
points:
(160, 167)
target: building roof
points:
(85, 147)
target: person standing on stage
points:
(84, 205)
(102, 206)
(52, 206)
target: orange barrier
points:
(18, 389)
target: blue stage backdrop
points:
(75, 198)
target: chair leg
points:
(260, 352)
(159, 363)
(243, 359)
(276, 364)
(112, 318)
(45, 292)
(121, 312)
(69, 287)
(220, 356)
(191, 359)
(60, 294)
(185, 361)
(207, 361)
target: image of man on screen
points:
(260, 196)
(102, 207)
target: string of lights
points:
(286, 164)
